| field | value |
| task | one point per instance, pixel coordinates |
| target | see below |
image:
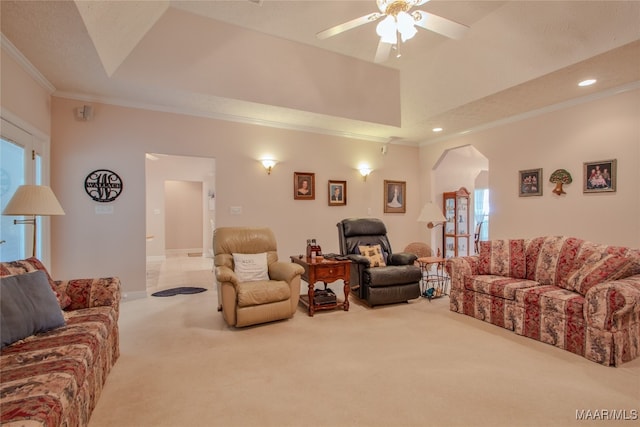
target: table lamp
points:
(433, 216)
(33, 200)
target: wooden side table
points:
(326, 271)
(433, 285)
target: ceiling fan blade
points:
(382, 53)
(349, 25)
(439, 25)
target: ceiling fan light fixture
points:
(406, 26)
(386, 29)
(382, 5)
(395, 17)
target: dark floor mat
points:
(184, 290)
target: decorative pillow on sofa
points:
(374, 254)
(251, 267)
(27, 306)
(33, 264)
(609, 267)
(502, 258)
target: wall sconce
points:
(364, 171)
(268, 164)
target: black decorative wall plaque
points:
(103, 185)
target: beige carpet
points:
(415, 364)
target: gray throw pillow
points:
(27, 306)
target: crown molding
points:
(217, 116)
(26, 64)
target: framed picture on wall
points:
(530, 182)
(599, 176)
(395, 196)
(337, 193)
(304, 186)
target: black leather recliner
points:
(398, 281)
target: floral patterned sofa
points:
(54, 378)
(577, 295)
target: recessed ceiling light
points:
(437, 129)
(587, 82)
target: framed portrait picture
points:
(304, 186)
(599, 176)
(337, 193)
(395, 196)
(530, 182)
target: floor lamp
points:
(433, 216)
(33, 200)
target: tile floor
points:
(180, 270)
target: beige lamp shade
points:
(33, 200)
(431, 214)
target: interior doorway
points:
(179, 190)
(466, 167)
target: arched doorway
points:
(467, 167)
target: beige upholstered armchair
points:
(253, 286)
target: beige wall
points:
(601, 129)
(183, 207)
(117, 138)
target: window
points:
(481, 212)
(21, 162)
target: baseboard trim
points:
(130, 296)
(182, 251)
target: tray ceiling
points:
(260, 62)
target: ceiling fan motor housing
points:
(393, 7)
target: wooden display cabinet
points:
(457, 229)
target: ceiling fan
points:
(399, 19)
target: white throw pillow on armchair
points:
(251, 267)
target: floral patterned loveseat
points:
(577, 295)
(54, 378)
